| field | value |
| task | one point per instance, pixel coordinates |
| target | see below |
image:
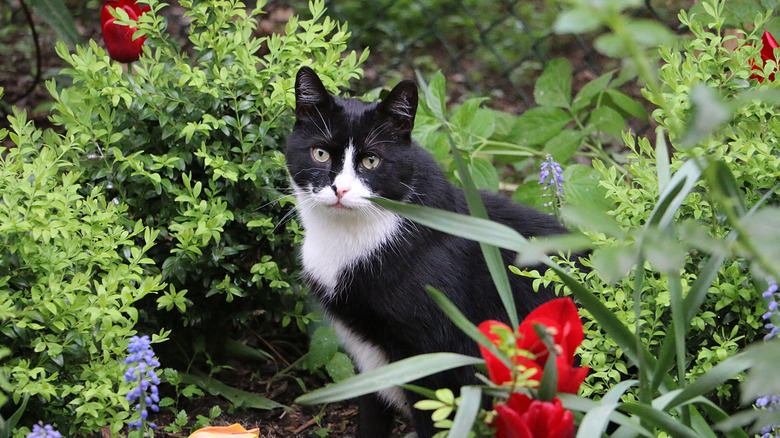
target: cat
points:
(369, 267)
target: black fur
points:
(384, 298)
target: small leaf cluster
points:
(72, 272)
(191, 140)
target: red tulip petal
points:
(569, 378)
(519, 402)
(119, 42)
(564, 426)
(769, 44)
(510, 424)
(498, 372)
(560, 314)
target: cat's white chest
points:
(336, 241)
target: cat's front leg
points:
(375, 417)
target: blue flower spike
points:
(142, 370)
(43, 431)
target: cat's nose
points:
(341, 190)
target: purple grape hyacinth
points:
(142, 370)
(549, 165)
(551, 175)
(43, 431)
(771, 295)
(770, 402)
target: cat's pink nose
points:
(341, 190)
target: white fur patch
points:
(368, 357)
(341, 232)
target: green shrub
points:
(730, 316)
(70, 274)
(192, 141)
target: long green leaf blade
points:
(239, 398)
(491, 253)
(396, 373)
(711, 379)
(470, 402)
(596, 420)
(659, 419)
(465, 325)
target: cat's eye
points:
(320, 154)
(370, 162)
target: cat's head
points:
(342, 151)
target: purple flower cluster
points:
(552, 174)
(771, 296)
(770, 402)
(142, 370)
(41, 431)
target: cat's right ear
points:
(310, 94)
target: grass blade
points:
(470, 402)
(396, 373)
(465, 325)
(596, 420)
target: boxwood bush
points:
(70, 275)
(191, 140)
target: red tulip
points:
(119, 38)
(561, 318)
(522, 418)
(767, 54)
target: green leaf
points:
(581, 185)
(607, 320)
(651, 33)
(468, 408)
(717, 375)
(484, 173)
(613, 263)
(553, 88)
(564, 145)
(607, 120)
(625, 103)
(397, 373)
(465, 325)
(659, 419)
(590, 90)
(237, 397)
(662, 159)
(435, 94)
(763, 232)
(580, 404)
(481, 230)
(595, 421)
(611, 45)
(708, 114)
(538, 125)
(492, 255)
(670, 200)
(592, 218)
(576, 20)
(340, 367)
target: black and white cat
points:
(368, 267)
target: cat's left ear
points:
(310, 93)
(400, 106)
